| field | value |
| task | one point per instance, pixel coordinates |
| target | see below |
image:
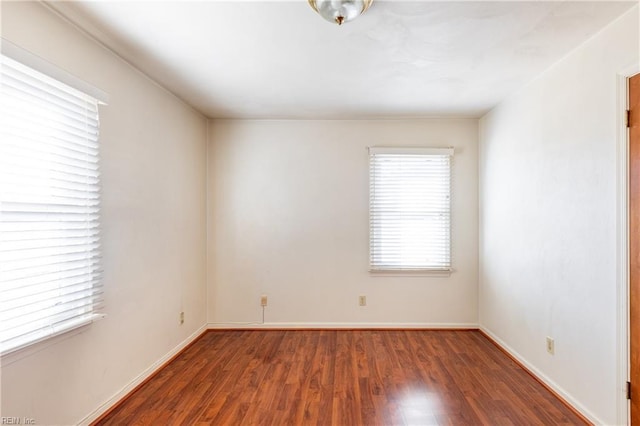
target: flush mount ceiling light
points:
(339, 11)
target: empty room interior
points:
(345, 212)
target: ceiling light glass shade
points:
(339, 11)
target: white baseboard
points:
(345, 325)
(542, 377)
(140, 378)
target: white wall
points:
(288, 218)
(153, 219)
(548, 220)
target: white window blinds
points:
(49, 207)
(410, 209)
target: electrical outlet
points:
(181, 318)
(551, 345)
(263, 300)
(363, 300)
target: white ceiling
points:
(278, 59)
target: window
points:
(49, 206)
(410, 209)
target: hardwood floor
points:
(330, 377)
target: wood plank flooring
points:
(346, 377)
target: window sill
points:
(15, 354)
(411, 272)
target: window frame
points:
(58, 76)
(384, 270)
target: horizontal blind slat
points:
(50, 315)
(55, 299)
(44, 136)
(28, 303)
(52, 259)
(50, 270)
(30, 80)
(60, 277)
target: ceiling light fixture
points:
(339, 11)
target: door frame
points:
(622, 243)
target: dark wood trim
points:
(633, 240)
(147, 379)
(536, 378)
